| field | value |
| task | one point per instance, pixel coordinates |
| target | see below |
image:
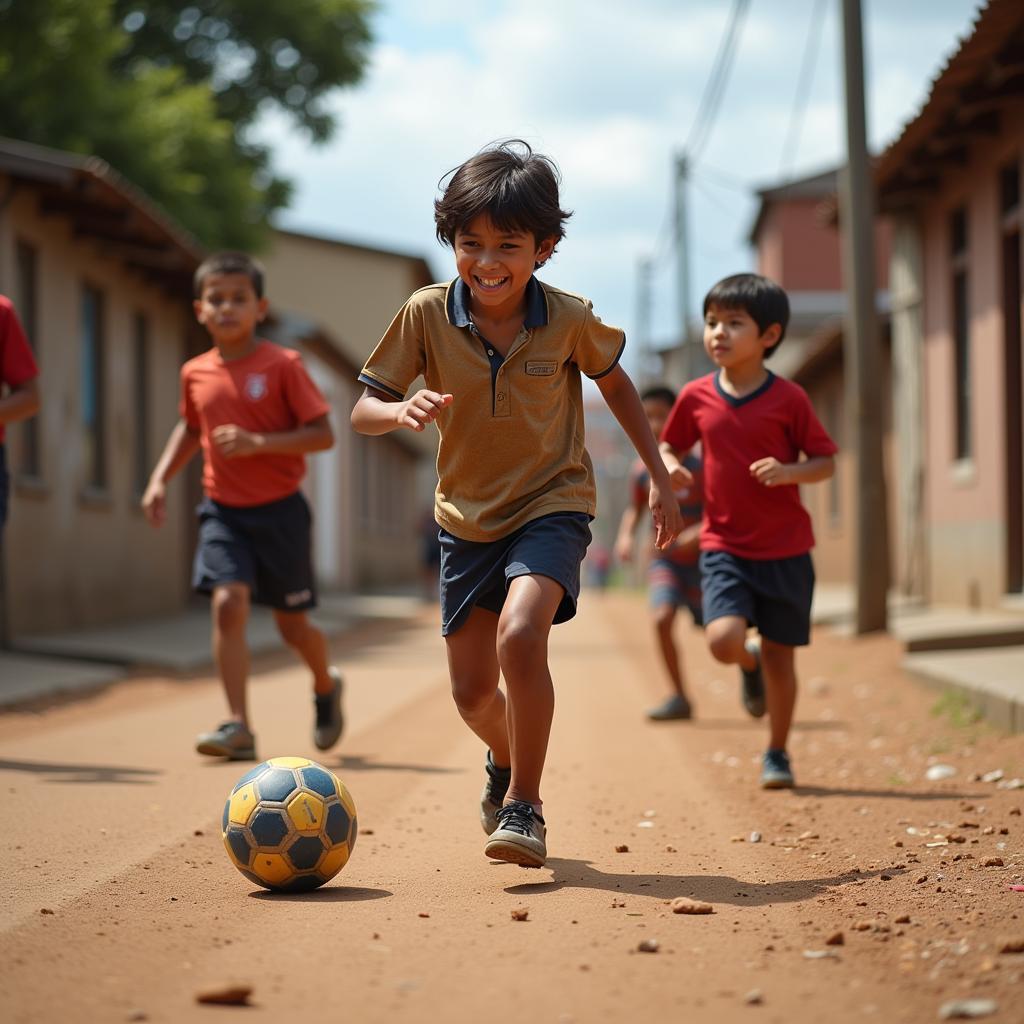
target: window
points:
(29, 458)
(961, 335)
(92, 395)
(141, 399)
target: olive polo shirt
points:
(511, 442)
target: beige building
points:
(340, 297)
(101, 279)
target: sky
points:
(609, 91)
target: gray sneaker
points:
(776, 772)
(493, 795)
(231, 740)
(676, 708)
(330, 719)
(753, 683)
(519, 838)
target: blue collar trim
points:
(457, 304)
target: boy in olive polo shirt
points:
(502, 354)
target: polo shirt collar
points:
(457, 304)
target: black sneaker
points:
(330, 719)
(776, 772)
(676, 708)
(493, 795)
(519, 838)
(231, 740)
(753, 683)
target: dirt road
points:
(120, 904)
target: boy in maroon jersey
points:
(761, 440)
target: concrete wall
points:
(965, 499)
(76, 558)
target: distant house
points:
(101, 279)
(339, 297)
(951, 186)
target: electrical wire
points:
(808, 65)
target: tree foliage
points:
(166, 94)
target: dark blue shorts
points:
(264, 546)
(773, 594)
(477, 573)
(673, 583)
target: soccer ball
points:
(289, 824)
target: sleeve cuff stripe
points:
(372, 382)
(614, 363)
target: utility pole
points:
(682, 170)
(645, 353)
(860, 341)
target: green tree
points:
(171, 110)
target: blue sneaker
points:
(776, 772)
(753, 683)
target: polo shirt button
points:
(501, 396)
(490, 351)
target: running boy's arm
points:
(20, 403)
(619, 394)
(377, 412)
(181, 446)
(627, 531)
(233, 441)
(772, 473)
(678, 474)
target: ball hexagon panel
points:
(346, 798)
(272, 868)
(307, 812)
(289, 762)
(337, 825)
(315, 778)
(336, 859)
(238, 846)
(250, 776)
(268, 826)
(242, 803)
(305, 852)
(276, 784)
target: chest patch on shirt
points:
(256, 386)
(538, 368)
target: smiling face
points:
(734, 341)
(229, 308)
(496, 264)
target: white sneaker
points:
(519, 838)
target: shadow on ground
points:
(715, 889)
(82, 772)
(330, 894)
(362, 763)
(890, 794)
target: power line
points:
(707, 109)
(808, 63)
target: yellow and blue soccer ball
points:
(289, 824)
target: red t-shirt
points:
(742, 516)
(267, 391)
(17, 364)
(690, 500)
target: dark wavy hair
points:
(759, 297)
(229, 263)
(515, 187)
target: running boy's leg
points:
(229, 610)
(778, 663)
(309, 643)
(727, 641)
(523, 629)
(473, 667)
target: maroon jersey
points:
(742, 516)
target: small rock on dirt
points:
(902, 919)
(992, 862)
(967, 1009)
(423, 913)
(835, 939)
(648, 946)
(227, 995)
(46, 911)
(1015, 945)
(754, 997)
(622, 848)
(819, 954)
(520, 914)
(684, 905)
(755, 837)
(938, 772)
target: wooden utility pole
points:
(860, 342)
(682, 245)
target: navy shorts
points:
(674, 583)
(773, 594)
(475, 573)
(264, 546)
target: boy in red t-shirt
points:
(761, 439)
(19, 391)
(673, 576)
(255, 412)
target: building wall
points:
(965, 498)
(76, 558)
